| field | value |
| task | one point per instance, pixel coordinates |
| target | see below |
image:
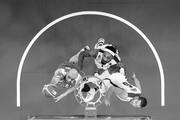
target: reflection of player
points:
(68, 76)
(108, 63)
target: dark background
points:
(21, 20)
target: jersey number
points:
(127, 84)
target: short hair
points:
(143, 101)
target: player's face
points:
(107, 56)
(72, 74)
(135, 102)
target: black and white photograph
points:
(89, 59)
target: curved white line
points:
(92, 13)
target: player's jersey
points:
(60, 75)
(125, 96)
(122, 88)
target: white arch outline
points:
(91, 13)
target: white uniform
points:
(122, 87)
(126, 96)
(117, 78)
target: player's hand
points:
(74, 59)
(101, 40)
(58, 98)
(99, 43)
(134, 75)
(86, 48)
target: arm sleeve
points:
(84, 54)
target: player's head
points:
(72, 74)
(138, 102)
(106, 57)
(109, 52)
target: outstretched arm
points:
(84, 54)
(64, 94)
(74, 59)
